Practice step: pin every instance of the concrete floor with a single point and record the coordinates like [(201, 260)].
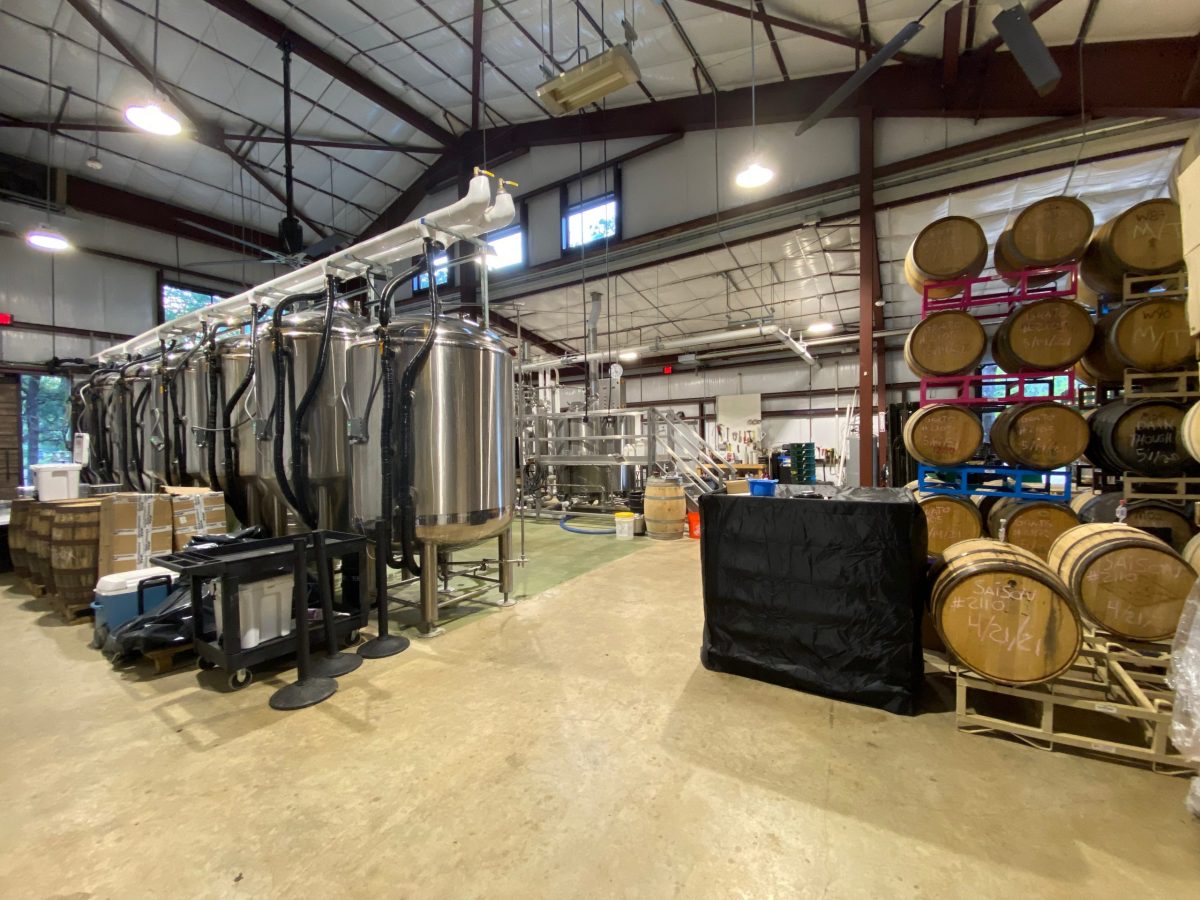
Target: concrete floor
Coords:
[(571, 746)]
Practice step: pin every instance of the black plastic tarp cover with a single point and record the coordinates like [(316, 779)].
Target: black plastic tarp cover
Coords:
[(818, 593)]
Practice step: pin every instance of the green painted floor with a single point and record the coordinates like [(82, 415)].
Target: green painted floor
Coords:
[(552, 557)]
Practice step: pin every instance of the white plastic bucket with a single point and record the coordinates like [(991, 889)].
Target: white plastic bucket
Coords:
[(624, 523), (264, 607), (56, 481)]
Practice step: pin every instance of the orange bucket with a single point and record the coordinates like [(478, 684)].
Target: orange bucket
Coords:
[(693, 520)]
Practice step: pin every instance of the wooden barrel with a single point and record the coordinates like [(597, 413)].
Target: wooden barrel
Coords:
[(1044, 336), (1127, 582), (1032, 525), (1167, 521), (1048, 232), (1144, 240), (947, 249), (665, 507), (18, 536), (1141, 437), (38, 545), (950, 342), (1088, 296), (1189, 432), (943, 435), (1191, 553), (1096, 506), (949, 520), (74, 549), (1004, 614), (1150, 336), (1039, 435)]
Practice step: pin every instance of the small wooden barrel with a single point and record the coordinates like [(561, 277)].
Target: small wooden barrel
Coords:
[(1150, 336), (665, 507), (1039, 435), (74, 551), (1044, 336), (1141, 437), (950, 342), (1144, 240), (1048, 232), (18, 536), (1032, 525), (949, 520), (946, 249), (1189, 432), (943, 435), (1004, 614), (1127, 582)]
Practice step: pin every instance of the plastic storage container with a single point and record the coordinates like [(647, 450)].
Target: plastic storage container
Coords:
[(264, 607), (762, 487), (624, 522), (117, 595), (56, 481)]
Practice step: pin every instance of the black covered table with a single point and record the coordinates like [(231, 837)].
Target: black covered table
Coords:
[(823, 595)]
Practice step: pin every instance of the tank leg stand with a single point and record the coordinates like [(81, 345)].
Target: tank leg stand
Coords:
[(385, 644), (308, 689), (429, 592), (506, 566), (332, 662)]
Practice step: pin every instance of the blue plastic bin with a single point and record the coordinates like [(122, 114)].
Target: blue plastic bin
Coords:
[(762, 487)]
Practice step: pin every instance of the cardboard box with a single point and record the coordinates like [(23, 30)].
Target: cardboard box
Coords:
[(737, 486), (197, 512), (133, 528)]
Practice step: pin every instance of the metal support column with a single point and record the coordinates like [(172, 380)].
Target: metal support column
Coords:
[(429, 591), (866, 292), (506, 565)]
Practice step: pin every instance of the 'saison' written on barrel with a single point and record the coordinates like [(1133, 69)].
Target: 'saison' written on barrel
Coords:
[(1154, 596)]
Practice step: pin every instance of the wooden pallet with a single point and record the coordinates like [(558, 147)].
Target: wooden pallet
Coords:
[(1114, 702), (33, 588), (71, 613), (1139, 487), (165, 659), (1178, 385), (1163, 284)]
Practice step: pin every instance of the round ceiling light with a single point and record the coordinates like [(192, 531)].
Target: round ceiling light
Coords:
[(153, 118), (754, 176), (46, 238), (821, 327)]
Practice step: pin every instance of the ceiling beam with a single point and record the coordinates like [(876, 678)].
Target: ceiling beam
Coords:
[(1085, 25), (776, 52), (1036, 13), (969, 40), (697, 63), (268, 26), (864, 23), (497, 319), (1122, 78), (476, 62), (952, 23), (207, 132)]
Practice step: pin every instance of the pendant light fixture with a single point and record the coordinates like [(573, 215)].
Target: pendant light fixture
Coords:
[(821, 326), (154, 115), (755, 174), (44, 237)]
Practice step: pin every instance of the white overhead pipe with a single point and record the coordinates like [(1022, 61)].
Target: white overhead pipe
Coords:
[(682, 343), (472, 215)]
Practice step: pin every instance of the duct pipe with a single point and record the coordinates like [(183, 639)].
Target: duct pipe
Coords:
[(473, 214), (682, 343)]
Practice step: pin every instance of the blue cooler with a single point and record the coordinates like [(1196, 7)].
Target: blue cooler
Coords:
[(124, 595)]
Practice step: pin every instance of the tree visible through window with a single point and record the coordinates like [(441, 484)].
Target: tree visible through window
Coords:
[(45, 412), (178, 301), (592, 220)]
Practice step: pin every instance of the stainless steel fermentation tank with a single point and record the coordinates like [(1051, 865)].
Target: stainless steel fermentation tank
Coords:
[(463, 465), (593, 437), (323, 485)]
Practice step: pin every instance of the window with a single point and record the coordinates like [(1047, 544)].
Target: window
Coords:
[(592, 220), (45, 417), (509, 249), (441, 271), (178, 300), (998, 391)]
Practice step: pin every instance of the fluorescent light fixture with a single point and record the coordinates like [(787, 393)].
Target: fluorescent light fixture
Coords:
[(153, 118), (754, 176), (628, 356), (821, 327), (46, 238), (590, 81)]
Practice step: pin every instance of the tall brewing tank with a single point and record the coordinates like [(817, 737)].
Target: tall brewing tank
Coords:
[(463, 469), (590, 440), (325, 423), (245, 491), (191, 388)]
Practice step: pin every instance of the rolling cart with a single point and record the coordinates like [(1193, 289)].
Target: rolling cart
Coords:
[(226, 569)]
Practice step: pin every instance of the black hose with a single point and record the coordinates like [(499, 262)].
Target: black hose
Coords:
[(128, 411), (139, 436), (277, 408), (210, 418), (299, 444), (178, 424), (232, 456), (164, 412)]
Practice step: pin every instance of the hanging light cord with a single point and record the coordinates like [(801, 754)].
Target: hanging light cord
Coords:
[(154, 58), (753, 87)]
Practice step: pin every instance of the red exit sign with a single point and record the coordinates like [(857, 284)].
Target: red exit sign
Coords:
[(6, 319)]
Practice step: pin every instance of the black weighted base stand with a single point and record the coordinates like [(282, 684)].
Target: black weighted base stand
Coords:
[(331, 663), (308, 689), (386, 644)]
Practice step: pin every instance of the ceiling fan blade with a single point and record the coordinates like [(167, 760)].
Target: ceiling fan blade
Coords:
[(852, 84), (236, 262), (325, 245)]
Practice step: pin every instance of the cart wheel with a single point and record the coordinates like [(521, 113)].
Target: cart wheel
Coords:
[(206, 664), (239, 679), (353, 638)]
